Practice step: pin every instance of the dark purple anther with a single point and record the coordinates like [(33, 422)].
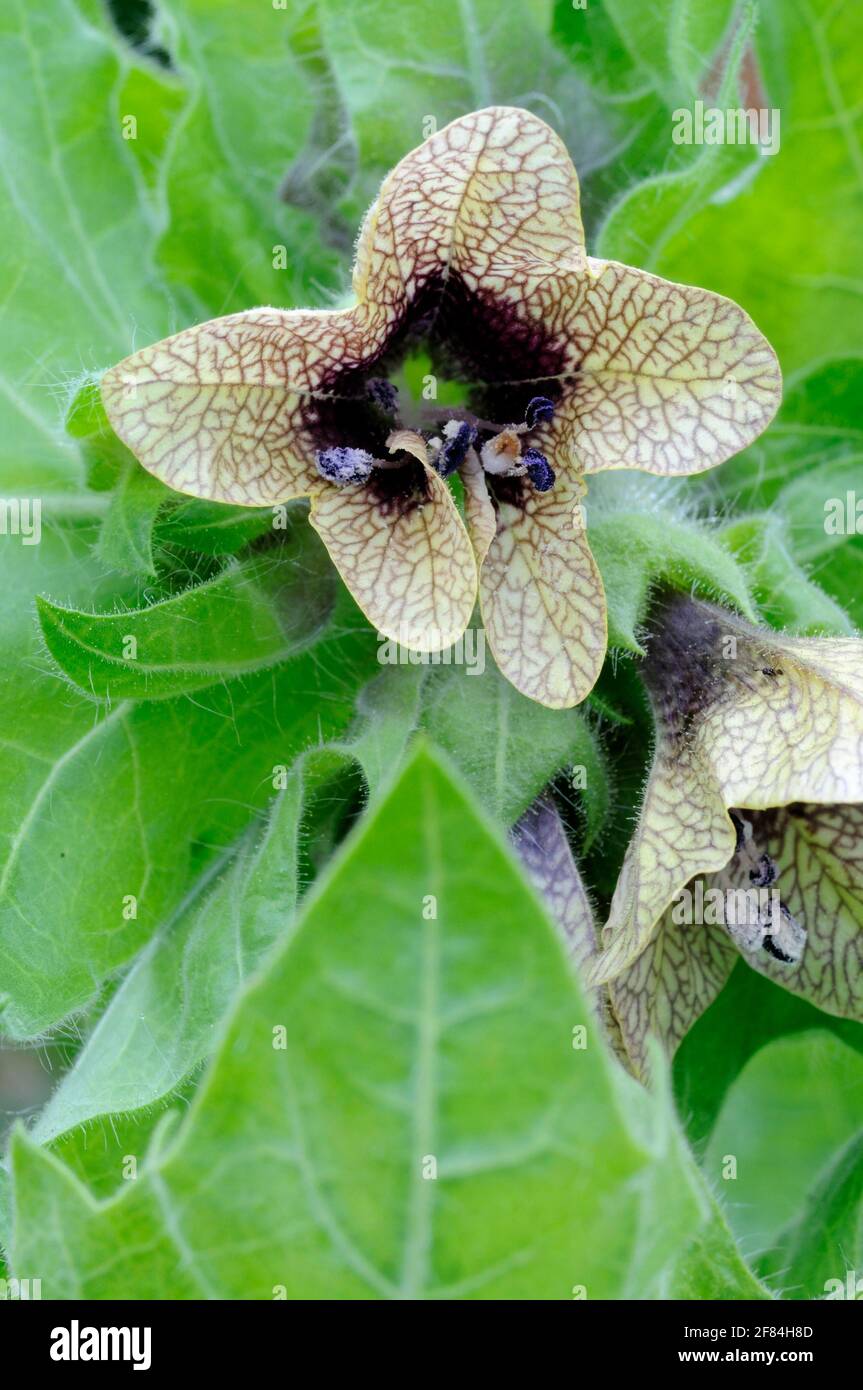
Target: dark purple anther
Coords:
[(383, 393), (539, 411), (539, 470), (453, 452), (344, 466)]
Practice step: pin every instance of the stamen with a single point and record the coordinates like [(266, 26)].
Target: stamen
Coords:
[(775, 930), (502, 455), (383, 394), (539, 470), (459, 435), (540, 410), (343, 465)]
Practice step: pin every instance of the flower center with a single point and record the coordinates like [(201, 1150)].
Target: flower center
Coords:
[(500, 448), (513, 374)]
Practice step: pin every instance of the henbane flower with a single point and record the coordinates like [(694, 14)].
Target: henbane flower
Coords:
[(750, 837), (473, 250)]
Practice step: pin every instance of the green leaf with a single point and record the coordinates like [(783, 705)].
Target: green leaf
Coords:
[(826, 1244), (786, 596), (713, 1268), (793, 1105), (254, 615), (641, 228), (399, 75), (698, 54), (5, 1217), (155, 98), (126, 537), (553, 1169), (595, 45), (636, 550), (213, 528), (507, 746), (647, 63), (749, 1013), (821, 511), (227, 220), (670, 51), (103, 807), (160, 1024), (100, 1154), (77, 226), (765, 241), (86, 415), (388, 710)]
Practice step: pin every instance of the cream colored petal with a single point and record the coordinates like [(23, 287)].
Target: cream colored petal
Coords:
[(818, 854), (746, 719), (794, 729), (232, 410), (684, 829), (407, 562), (542, 601), (671, 379), (491, 200), (669, 986), (408, 442), (478, 508)]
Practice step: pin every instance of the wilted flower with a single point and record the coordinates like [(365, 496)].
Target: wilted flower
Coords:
[(474, 250), (751, 831), (540, 841)]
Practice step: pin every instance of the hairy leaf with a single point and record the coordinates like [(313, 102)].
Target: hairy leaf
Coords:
[(253, 616), (507, 746), (76, 223), (786, 595), (637, 552), (231, 239), (752, 238), (713, 1268), (503, 1163), (823, 1249), (214, 528), (107, 812), (791, 1109), (160, 1024)]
